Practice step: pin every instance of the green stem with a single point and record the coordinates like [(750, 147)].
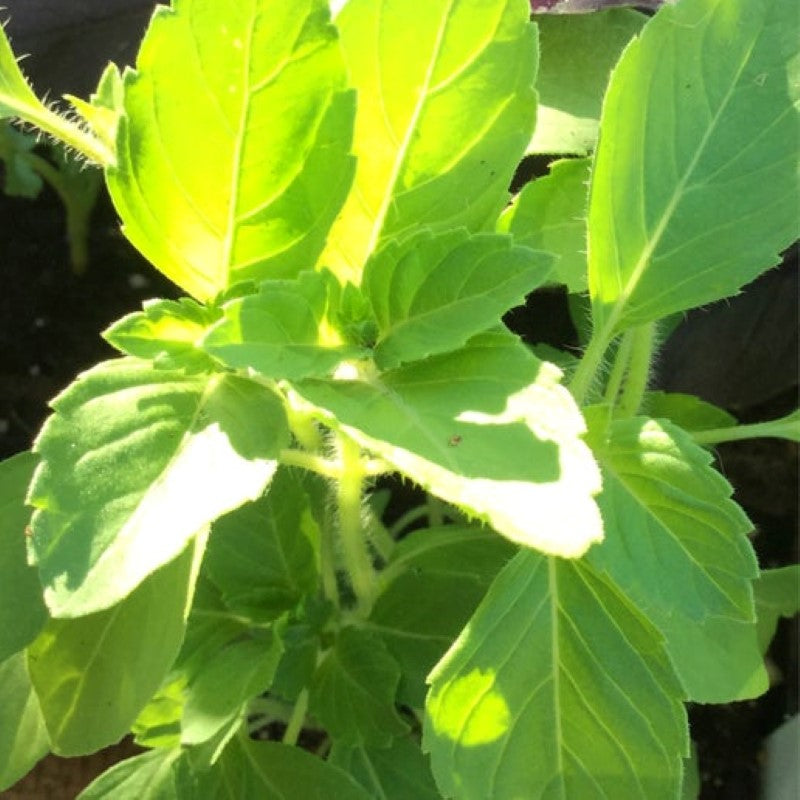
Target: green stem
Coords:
[(737, 433), (313, 463), (621, 362), (354, 544), (590, 364), (298, 716), (305, 429), (642, 345)]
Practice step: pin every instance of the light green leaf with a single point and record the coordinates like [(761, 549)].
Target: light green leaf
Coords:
[(445, 108), (488, 428), (17, 99), (263, 556), (159, 722), (22, 610), (689, 412), (105, 107), (398, 772), (690, 790), (550, 214), (677, 545), (23, 737), (353, 691), (94, 674), (431, 293), (258, 87), (166, 332), (777, 594), (135, 462), (241, 669), (271, 771), (557, 688), (694, 188), (20, 178), (430, 588), (157, 775), (577, 54), (277, 332)]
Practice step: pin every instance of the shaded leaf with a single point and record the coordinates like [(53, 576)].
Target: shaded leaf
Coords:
[(694, 188), (241, 669), (438, 136), (353, 691), (677, 545), (22, 610), (398, 772), (550, 214), (488, 428), (277, 332), (93, 675), (557, 688), (689, 412), (263, 556), (431, 293), (136, 461), (777, 594), (577, 55), (23, 737), (430, 588), (20, 178), (259, 88)]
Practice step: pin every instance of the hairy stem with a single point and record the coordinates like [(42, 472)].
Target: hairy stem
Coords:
[(756, 430), (618, 371), (354, 544), (642, 345)]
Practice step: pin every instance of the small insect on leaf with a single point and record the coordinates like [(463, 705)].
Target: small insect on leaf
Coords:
[(454, 441)]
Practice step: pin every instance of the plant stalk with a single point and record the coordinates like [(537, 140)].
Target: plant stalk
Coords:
[(641, 354)]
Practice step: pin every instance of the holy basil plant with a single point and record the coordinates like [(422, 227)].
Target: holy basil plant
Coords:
[(208, 562)]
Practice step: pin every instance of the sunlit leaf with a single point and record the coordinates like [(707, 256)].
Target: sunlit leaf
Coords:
[(447, 572), (557, 688), (550, 214), (677, 545), (23, 737), (22, 611), (353, 691), (160, 774), (577, 55), (90, 695), (136, 461), (258, 87), (694, 188), (488, 428), (277, 332), (445, 108), (431, 293), (689, 412)]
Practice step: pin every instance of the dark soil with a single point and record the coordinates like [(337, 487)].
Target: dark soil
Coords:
[(50, 321)]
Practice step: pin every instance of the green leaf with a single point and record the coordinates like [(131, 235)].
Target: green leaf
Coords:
[(22, 611), (272, 771), (135, 462), (577, 54), (431, 586), (694, 189), (23, 737), (398, 772), (166, 332), (445, 108), (550, 214), (243, 668), (105, 107), (557, 688), (677, 545), (258, 94), (777, 594), (277, 332), (157, 775), (690, 789), (353, 691), (94, 674), (431, 293), (159, 722), (689, 412), (263, 556), (488, 428), (21, 179)]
